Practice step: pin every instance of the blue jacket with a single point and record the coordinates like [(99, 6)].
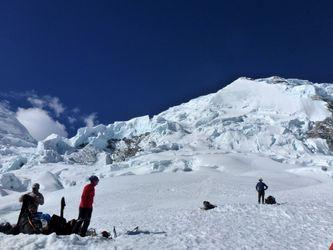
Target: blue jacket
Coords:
[(260, 187)]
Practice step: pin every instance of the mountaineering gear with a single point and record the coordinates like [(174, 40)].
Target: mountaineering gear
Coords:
[(59, 225), (42, 216), (207, 205), (7, 228), (87, 198), (261, 187), (62, 207), (106, 234), (270, 200), (29, 223)]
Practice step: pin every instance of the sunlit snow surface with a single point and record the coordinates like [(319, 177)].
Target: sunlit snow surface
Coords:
[(213, 148), (167, 206)]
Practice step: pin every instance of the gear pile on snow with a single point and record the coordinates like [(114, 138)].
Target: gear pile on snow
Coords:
[(27, 223), (270, 200), (207, 205)]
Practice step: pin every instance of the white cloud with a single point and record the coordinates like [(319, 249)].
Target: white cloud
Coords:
[(57, 106), (76, 110), (51, 102), (90, 120), (36, 102), (71, 119), (39, 123)]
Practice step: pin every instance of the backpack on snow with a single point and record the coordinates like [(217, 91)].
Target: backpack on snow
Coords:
[(270, 200), (207, 205), (60, 226)]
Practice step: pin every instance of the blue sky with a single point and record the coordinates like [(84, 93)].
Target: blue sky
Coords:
[(84, 62)]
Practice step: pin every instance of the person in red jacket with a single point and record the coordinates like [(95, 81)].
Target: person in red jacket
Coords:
[(86, 204)]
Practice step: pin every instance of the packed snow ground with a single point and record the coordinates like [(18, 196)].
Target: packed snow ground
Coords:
[(166, 207)]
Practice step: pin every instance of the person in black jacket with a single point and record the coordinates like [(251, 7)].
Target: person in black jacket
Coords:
[(38, 198), (261, 187)]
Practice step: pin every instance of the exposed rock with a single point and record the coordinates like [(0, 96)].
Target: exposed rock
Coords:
[(121, 149), (87, 155), (324, 130)]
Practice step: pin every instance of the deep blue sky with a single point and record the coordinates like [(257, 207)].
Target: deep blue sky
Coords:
[(123, 59)]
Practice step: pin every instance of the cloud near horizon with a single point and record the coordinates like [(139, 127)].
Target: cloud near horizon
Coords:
[(91, 120), (52, 114), (39, 123), (51, 102)]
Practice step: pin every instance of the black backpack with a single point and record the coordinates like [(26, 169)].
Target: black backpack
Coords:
[(270, 200), (207, 205)]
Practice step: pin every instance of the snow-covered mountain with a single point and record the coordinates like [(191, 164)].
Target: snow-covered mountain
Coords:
[(12, 132), (15, 141), (287, 120)]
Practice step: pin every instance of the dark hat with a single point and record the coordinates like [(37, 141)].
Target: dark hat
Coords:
[(35, 186), (93, 178)]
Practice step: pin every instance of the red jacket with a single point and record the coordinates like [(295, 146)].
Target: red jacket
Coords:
[(87, 197)]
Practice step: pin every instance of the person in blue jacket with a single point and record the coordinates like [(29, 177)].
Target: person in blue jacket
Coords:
[(261, 187)]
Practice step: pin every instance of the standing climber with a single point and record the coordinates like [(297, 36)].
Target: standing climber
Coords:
[(261, 187), (86, 204)]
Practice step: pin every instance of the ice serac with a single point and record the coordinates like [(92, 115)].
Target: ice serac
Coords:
[(98, 136), (53, 147), (270, 116), (288, 118)]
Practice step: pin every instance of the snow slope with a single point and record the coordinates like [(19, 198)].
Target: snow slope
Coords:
[(12, 132), (16, 144), (166, 207)]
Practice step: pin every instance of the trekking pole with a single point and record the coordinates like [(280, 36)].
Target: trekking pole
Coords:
[(62, 206)]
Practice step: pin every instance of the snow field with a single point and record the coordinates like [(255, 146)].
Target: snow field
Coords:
[(166, 206)]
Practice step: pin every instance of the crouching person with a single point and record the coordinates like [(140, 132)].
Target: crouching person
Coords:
[(86, 206)]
